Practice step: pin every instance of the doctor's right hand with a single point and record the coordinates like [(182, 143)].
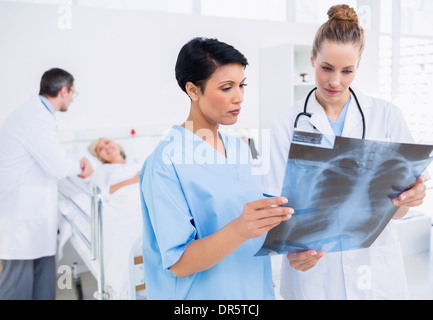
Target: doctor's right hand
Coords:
[(303, 261), (87, 168), (258, 217)]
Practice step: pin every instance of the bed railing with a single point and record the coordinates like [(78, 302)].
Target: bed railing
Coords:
[(93, 240), (97, 252), (95, 245)]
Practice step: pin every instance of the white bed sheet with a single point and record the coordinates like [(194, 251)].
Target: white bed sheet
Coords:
[(122, 226), (122, 220)]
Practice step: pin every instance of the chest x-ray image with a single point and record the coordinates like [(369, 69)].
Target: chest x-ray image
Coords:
[(342, 195)]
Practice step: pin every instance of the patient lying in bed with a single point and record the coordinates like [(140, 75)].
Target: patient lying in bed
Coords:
[(118, 180), (116, 173)]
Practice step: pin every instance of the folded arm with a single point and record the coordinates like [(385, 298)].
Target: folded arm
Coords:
[(127, 182)]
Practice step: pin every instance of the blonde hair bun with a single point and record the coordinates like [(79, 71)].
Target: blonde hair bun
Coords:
[(343, 12), (342, 27)]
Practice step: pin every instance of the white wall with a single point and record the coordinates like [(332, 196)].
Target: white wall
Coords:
[(123, 61)]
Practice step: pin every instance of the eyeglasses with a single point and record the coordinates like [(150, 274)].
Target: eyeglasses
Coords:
[(74, 94)]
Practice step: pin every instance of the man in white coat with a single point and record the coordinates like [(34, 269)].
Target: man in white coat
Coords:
[(32, 160)]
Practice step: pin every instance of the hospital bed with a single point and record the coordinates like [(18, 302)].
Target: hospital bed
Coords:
[(113, 258)]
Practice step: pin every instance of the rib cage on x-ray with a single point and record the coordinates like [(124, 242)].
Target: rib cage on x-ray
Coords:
[(342, 196)]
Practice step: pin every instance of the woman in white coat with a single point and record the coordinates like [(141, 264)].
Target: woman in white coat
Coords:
[(376, 272), (31, 161)]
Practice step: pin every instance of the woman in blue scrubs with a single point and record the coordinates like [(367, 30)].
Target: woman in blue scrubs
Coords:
[(203, 211)]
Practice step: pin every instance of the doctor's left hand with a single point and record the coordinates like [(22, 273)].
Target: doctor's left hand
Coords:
[(414, 196), (410, 198), (87, 168)]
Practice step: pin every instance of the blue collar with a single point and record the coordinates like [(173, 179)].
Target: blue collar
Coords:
[(338, 126), (47, 104)]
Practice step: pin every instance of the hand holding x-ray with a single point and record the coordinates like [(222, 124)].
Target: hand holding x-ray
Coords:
[(345, 194), (260, 216), (304, 261), (414, 196)]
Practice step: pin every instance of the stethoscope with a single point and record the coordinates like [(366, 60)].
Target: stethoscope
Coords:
[(305, 113)]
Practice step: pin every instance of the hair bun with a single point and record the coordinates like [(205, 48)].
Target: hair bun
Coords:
[(343, 12)]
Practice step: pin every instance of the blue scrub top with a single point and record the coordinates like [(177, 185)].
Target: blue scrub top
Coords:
[(338, 126), (189, 191)]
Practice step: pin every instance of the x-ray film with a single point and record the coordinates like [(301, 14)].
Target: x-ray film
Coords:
[(342, 195)]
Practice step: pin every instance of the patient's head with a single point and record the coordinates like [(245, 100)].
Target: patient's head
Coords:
[(107, 151)]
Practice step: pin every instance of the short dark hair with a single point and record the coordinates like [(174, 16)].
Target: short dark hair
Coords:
[(200, 57), (54, 80)]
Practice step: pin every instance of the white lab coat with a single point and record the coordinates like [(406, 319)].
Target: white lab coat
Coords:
[(31, 161), (376, 272)]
